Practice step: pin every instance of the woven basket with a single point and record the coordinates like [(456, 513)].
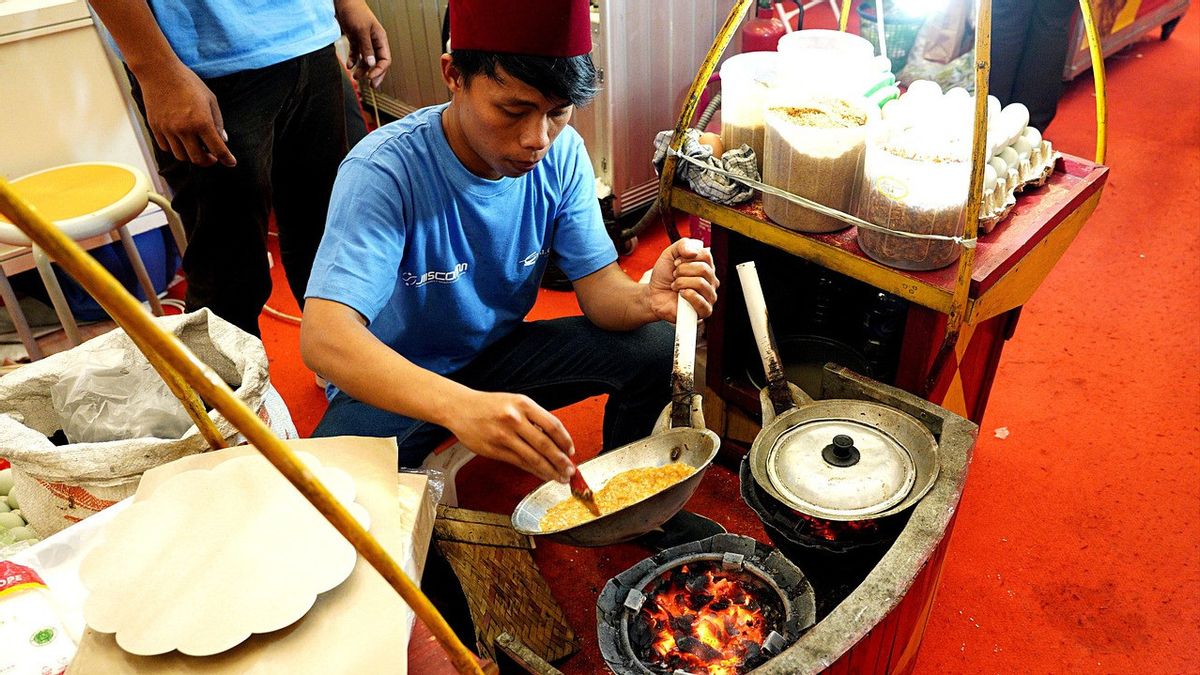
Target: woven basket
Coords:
[(900, 31)]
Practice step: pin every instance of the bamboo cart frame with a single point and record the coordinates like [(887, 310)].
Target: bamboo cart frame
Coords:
[(960, 308)]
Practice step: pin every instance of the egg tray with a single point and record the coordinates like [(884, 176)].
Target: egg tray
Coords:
[(997, 203)]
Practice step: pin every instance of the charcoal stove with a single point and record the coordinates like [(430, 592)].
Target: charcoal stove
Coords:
[(834, 555), (674, 613)]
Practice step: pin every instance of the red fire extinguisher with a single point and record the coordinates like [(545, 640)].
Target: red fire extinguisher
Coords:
[(762, 32)]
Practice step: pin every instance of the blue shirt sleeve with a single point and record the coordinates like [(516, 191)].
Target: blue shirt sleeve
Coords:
[(359, 258), (581, 244)]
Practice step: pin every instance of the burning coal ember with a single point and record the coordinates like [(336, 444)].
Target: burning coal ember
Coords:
[(701, 618), (833, 530)]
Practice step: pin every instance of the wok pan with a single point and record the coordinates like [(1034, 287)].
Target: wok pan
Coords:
[(679, 436), (834, 459)]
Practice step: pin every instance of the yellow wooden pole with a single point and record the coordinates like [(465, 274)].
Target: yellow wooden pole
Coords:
[(1093, 37), (156, 343), (966, 263), (667, 178)]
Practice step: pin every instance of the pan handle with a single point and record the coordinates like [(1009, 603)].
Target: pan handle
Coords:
[(779, 393), (683, 375)]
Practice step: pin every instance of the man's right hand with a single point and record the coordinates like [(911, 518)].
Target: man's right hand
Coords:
[(184, 117), (514, 429)]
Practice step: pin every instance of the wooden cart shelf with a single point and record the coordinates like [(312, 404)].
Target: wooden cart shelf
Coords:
[(1010, 262)]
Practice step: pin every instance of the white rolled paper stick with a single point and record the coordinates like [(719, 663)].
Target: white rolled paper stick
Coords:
[(756, 307), (685, 340)]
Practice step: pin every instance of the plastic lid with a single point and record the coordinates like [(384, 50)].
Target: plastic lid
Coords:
[(844, 45), (841, 468), (761, 66)]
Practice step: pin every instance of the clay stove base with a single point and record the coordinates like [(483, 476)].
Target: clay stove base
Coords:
[(879, 626)]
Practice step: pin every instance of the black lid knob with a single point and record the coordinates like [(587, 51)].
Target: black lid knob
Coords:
[(841, 452)]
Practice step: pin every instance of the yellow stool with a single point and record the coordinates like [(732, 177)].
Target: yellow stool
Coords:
[(83, 200)]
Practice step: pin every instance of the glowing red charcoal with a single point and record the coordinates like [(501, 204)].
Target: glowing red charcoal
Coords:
[(703, 619)]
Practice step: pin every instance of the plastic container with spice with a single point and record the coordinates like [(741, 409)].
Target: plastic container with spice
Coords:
[(814, 149), (832, 62), (746, 81), (915, 179)]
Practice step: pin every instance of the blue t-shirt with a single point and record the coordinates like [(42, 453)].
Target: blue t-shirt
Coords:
[(219, 37), (443, 263)]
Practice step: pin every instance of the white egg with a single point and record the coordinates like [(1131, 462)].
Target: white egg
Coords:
[(1032, 135), (6, 481), (999, 166), (1013, 120), (4, 506), (993, 108), (924, 89), (1010, 157), (10, 520), (1023, 149), (958, 93)]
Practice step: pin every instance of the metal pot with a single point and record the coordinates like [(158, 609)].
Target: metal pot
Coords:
[(679, 436), (833, 459)]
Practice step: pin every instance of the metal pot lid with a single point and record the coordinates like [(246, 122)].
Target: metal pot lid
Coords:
[(841, 466), (845, 460)]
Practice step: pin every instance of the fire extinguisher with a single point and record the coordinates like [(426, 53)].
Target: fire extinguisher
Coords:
[(762, 32)]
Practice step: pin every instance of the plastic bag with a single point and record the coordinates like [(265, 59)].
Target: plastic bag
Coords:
[(114, 394), (943, 51), (62, 484)]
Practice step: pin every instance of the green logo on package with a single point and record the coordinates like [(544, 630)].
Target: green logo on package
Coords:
[(43, 637)]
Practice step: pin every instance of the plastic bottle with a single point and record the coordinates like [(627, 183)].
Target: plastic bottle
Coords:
[(32, 637)]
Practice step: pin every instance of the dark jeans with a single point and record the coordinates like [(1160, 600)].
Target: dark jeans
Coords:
[(287, 130), (556, 363), (1029, 53)]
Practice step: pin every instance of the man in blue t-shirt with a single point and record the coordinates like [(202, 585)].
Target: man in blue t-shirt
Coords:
[(245, 103), (439, 230)]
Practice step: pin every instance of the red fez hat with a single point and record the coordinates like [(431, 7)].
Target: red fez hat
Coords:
[(559, 28)]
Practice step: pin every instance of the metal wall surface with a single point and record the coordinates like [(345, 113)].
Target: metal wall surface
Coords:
[(647, 54), (414, 29), (652, 52)]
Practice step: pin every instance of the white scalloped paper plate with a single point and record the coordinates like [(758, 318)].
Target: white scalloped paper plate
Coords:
[(215, 555)]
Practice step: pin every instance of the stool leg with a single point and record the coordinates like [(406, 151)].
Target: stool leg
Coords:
[(61, 308), (139, 269), (173, 221), (18, 318)]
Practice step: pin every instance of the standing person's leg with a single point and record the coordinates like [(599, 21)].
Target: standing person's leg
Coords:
[(356, 125), (224, 209), (1010, 25), (310, 143), (1039, 79)]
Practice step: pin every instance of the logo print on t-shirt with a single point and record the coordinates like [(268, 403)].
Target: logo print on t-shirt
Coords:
[(531, 259), (450, 277)]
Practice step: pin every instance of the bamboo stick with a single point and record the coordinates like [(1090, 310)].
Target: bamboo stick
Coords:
[(156, 343)]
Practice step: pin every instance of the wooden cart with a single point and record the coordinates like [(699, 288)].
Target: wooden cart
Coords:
[(959, 315)]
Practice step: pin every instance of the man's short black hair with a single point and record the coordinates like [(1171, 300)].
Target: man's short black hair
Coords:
[(570, 79)]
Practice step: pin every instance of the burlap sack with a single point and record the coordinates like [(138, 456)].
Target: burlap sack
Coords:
[(60, 485)]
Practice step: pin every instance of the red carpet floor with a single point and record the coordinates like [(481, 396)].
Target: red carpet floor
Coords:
[(1077, 548)]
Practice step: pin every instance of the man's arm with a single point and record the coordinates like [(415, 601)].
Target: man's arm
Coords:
[(335, 342), (613, 301), (181, 111), (369, 52)]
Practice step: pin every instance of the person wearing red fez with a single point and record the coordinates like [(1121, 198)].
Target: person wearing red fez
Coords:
[(439, 230)]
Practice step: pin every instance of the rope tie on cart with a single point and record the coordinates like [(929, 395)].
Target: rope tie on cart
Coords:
[(821, 208)]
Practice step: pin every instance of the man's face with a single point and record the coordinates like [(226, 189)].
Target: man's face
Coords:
[(508, 126)]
